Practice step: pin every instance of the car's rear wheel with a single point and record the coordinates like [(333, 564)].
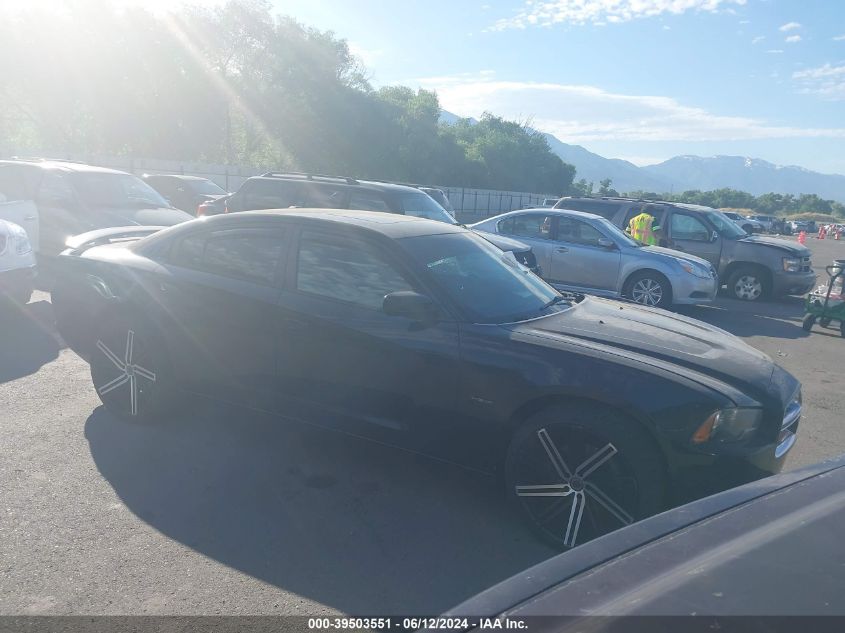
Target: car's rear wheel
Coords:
[(649, 288), (747, 284), (130, 370), (578, 472), (824, 321)]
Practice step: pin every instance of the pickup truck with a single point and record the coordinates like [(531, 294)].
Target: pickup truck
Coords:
[(751, 266)]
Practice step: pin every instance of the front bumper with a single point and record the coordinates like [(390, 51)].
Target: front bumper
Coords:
[(793, 283), (690, 290)]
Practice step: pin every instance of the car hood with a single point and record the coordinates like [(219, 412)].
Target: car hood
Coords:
[(790, 247), (103, 217), (505, 243), (665, 336), (659, 250)]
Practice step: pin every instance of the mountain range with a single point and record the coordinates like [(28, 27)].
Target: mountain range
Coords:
[(682, 173)]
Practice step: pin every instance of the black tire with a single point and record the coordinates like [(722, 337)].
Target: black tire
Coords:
[(629, 483), (808, 322), (824, 321), (145, 391), (748, 284), (650, 288)]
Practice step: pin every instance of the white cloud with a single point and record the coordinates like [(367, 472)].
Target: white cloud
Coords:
[(839, 38), (550, 12), (793, 39), (827, 81), (583, 114), (790, 26), (774, 51), (745, 21), (758, 39)]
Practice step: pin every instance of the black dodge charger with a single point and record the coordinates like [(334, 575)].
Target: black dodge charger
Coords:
[(425, 336)]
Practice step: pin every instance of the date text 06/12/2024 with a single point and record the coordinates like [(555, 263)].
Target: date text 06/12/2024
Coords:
[(416, 623)]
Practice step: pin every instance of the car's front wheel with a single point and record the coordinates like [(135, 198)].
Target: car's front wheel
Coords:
[(649, 288), (578, 472), (130, 370)]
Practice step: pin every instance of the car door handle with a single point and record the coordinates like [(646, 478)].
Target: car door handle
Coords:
[(30, 217), (562, 249), (163, 287)]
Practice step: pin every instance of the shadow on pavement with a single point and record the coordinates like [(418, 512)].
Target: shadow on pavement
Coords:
[(353, 525), (779, 318), (28, 339)]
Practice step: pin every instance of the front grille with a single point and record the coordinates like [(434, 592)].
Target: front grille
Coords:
[(788, 427), (792, 413), (806, 265)]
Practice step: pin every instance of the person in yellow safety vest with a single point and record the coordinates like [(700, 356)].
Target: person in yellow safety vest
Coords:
[(642, 228)]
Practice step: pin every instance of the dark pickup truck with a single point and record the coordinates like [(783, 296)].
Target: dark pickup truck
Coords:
[(751, 266)]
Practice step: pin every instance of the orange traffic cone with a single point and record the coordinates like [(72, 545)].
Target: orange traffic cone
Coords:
[(821, 232), (802, 237)]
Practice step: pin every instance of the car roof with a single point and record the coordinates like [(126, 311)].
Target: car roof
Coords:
[(177, 176), (704, 556), (392, 225), (339, 181), (62, 165), (566, 212)]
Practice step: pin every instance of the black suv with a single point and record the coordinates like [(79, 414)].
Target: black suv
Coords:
[(276, 190), (752, 266)]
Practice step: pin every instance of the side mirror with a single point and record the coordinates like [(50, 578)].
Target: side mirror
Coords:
[(410, 304), (714, 236), (606, 242)]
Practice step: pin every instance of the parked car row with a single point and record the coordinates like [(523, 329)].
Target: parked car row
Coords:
[(750, 266), (365, 306)]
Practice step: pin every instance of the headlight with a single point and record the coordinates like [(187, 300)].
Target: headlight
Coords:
[(694, 269), (792, 264), (20, 240), (728, 425)]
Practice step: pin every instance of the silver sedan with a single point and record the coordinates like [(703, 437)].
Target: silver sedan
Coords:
[(583, 252)]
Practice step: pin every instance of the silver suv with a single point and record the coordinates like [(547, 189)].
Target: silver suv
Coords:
[(583, 252)]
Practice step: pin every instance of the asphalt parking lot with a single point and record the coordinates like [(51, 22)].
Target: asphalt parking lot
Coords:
[(227, 512)]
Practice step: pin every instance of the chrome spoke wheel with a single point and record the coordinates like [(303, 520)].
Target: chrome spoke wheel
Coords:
[(122, 382), (573, 506), (647, 291)]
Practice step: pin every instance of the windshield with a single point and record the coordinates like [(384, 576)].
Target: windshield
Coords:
[(116, 190), (617, 234), (488, 285), (208, 188), (421, 205), (726, 227)]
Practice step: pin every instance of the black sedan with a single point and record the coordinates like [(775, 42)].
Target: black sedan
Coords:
[(769, 548), (423, 335)]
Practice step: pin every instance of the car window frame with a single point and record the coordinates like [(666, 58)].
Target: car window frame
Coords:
[(703, 221), (283, 232), (345, 238), (552, 230), (581, 244)]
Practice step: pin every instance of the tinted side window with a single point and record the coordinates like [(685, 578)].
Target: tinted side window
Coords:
[(687, 227), (247, 256), (532, 225), (349, 271), (322, 196), (368, 201), (505, 226), (272, 194), (577, 232), (54, 189), (606, 210)]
